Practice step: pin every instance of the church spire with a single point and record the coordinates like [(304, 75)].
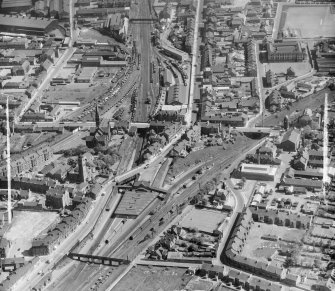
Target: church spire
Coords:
[(97, 117)]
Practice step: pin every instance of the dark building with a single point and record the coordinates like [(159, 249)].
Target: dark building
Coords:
[(26, 25), (289, 51), (291, 141)]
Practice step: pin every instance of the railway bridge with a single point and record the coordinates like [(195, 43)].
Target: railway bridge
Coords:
[(143, 20), (107, 261)]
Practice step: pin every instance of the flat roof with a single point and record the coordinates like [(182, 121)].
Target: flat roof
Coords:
[(133, 203), (29, 22), (254, 168)]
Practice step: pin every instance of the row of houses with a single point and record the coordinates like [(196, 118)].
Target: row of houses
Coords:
[(238, 278), (30, 161), (160, 134), (42, 246), (237, 239), (16, 275)]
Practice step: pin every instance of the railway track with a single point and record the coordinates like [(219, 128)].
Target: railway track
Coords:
[(153, 222)]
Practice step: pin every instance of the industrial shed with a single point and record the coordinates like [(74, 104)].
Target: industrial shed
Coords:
[(258, 172)]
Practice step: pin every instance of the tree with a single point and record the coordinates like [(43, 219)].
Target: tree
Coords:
[(243, 180), (289, 262)]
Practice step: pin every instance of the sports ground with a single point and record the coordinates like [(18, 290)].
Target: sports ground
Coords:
[(308, 21)]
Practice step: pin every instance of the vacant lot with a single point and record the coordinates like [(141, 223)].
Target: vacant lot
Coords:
[(90, 33), (203, 219), (25, 226), (80, 92), (143, 278), (257, 248), (309, 22)]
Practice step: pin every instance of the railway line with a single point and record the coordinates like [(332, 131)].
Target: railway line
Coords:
[(145, 52), (120, 244)]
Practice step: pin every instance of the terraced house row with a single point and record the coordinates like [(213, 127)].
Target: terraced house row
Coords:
[(28, 162), (232, 252), (44, 245)]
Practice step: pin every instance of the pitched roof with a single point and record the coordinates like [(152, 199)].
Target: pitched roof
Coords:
[(292, 136)]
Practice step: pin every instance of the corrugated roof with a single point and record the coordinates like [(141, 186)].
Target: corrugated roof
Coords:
[(29, 22)]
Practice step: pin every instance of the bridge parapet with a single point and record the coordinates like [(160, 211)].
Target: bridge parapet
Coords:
[(107, 261)]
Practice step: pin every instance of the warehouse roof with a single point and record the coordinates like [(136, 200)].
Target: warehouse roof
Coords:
[(15, 3), (133, 203), (29, 22), (258, 169), (302, 183)]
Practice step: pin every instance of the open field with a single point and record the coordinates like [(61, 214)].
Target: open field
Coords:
[(203, 219), (25, 226), (143, 278), (313, 101), (199, 284), (308, 21), (257, 248)]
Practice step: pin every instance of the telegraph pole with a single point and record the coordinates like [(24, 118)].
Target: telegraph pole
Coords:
[(9, 207)]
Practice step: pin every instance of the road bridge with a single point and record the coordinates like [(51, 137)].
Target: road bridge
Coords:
[(254, 129), (146, 20), (140, 124), (107, 261)]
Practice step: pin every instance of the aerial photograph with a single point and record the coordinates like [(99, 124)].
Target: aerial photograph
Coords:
[(167, 145)]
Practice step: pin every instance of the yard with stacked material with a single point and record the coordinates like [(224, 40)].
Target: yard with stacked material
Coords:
[(142, 278)]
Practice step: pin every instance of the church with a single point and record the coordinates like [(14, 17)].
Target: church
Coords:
[(101, 134)]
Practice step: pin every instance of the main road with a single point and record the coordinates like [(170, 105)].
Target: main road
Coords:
[(47, 263), (188, 116), (52, 73), (143, 33)]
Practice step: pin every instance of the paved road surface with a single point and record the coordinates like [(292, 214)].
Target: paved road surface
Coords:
[(143, 31), (52, 73), (32, 278), (188, 116)]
